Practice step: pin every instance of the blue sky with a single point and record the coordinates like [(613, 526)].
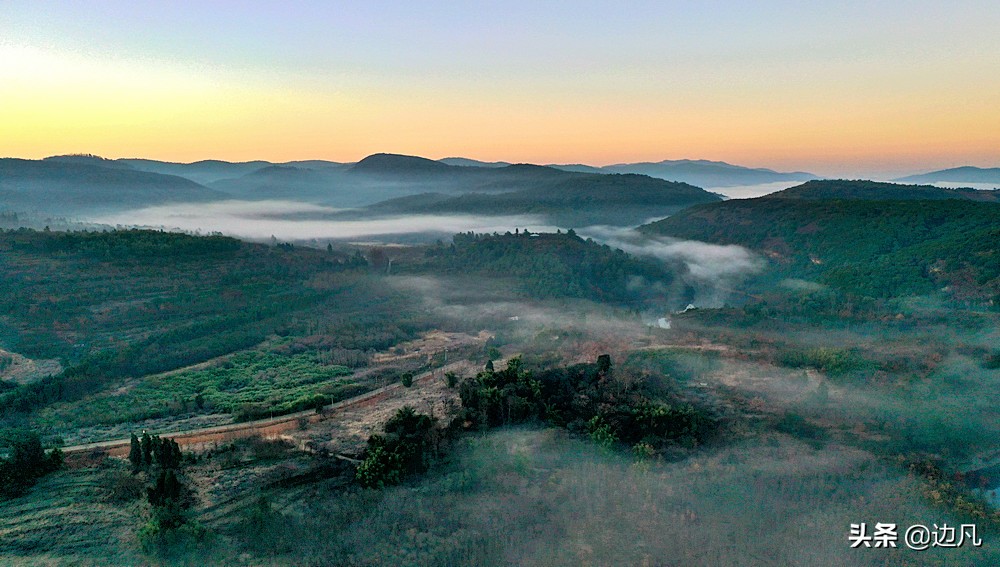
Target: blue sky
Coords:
[(841, 87)]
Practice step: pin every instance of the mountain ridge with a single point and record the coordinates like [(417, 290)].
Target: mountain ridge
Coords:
[(67, 187), (962, 174)]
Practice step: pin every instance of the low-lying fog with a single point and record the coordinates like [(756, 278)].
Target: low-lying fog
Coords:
[(710, 268), (751, 191), (293, 221)]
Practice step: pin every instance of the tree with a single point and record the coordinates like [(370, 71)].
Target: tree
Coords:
[(493, 353), (166, 489), (27, 454), (406, 379), (55, 459), (146, 445), (404, 449), (604, 363), (135, 453), (27, 462)]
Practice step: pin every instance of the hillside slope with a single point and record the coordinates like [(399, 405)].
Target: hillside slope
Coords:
[(568, 199), (876, 191), (964, 174), (876, 248), (61, 187)]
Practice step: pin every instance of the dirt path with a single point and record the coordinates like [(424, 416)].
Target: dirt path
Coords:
[(206, 438)]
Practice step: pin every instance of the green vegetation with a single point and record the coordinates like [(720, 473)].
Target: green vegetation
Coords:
[(115, 306), (584, 398), (248, 385), (810, 406), (833, 189), (170, 524), (151, 452), (568, 199), (896, 248), (23, 461), (405, 449), (560, 265)]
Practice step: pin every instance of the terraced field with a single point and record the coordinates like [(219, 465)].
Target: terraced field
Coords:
[(67, 519)]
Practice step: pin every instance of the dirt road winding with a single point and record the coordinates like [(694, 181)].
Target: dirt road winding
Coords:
[(205, 438)]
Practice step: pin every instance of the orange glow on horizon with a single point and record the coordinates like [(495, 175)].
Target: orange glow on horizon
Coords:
[(59, 104)]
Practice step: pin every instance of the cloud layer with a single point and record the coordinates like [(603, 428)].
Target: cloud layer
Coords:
[(257, 220)]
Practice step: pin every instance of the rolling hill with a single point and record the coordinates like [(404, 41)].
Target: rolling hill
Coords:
[(964, 174), (878, 248), (877, 191), (566, 199), (69, 187), (282, 182), (204, 172), (701, 173)]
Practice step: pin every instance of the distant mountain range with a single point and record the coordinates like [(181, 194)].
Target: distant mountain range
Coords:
[(210, 171), (72, 187), (466, 162), (385, 183), (701, 173), (965, 174)]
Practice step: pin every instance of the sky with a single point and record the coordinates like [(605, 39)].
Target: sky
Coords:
[(874, 88)]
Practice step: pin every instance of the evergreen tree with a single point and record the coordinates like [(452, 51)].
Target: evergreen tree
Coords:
[(135, 453), (604, 363), (146, 445)]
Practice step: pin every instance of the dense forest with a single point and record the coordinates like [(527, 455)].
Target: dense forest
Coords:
[(900, 247), (876, 191), (569, 199), (112, 305), (559, 265)]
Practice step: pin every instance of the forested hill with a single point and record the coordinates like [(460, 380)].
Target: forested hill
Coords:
[(569, 199), (70, 187), (877, 248), (876, 191), (560, 265), (119, 304)]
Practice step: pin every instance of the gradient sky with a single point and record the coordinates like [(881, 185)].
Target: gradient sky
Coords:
[(849, 88)]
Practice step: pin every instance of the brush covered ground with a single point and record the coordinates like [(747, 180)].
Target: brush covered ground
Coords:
[(829, 407)]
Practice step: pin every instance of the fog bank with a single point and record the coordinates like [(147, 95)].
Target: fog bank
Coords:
[(291, 220)]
